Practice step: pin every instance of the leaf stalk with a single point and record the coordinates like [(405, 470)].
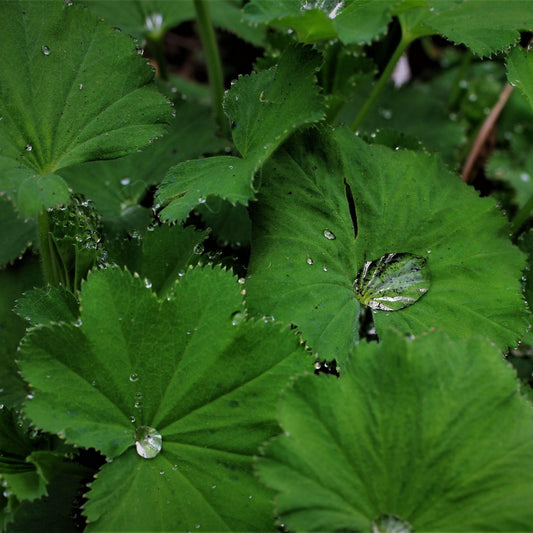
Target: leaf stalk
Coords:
[(380, 84), (214, 66)]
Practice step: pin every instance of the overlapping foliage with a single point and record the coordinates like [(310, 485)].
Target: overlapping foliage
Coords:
[(167, 303)]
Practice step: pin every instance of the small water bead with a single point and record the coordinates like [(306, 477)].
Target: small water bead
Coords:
[(237, 318), (137, 405), (525, 177), (28, 148), (309, 261), (388, 523), (147, 283), (148, 442), (132, 419), (330, 236), (133, 377), (45, 50), (199, 249), (268, 318), (125, 181)]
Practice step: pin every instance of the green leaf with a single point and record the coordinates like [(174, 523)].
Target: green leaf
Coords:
[(17, 234), (63, 101), (162, 256), (375, 201), (177, 365), (117, 187), (15, 279), (486, 27), (47, 306), (520, 72), (353, 21), (439, 440), (264, 110)]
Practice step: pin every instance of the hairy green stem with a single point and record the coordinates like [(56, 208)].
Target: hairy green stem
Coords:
[(214, 67), (380, 84), (47, 259), (156, 47), (521, 216)]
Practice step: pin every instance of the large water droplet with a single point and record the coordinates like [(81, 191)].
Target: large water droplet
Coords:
[(388, 523), (330, 236), (392, 282), (237, 318), (45, 50), (148, 442)]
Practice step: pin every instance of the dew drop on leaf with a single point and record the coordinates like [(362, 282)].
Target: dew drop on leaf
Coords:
[(330, 236), (28, 148), (237, 318), (392, 282), (134, 377), (45, 50), (310, 261), (148, 442), (199, 249), (388, 523)]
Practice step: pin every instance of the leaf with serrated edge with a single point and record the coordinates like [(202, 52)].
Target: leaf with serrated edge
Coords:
[(439, 442), (405, 202), (353, 21), (264, 109), (181, 367), (520, 72), (64, 102)]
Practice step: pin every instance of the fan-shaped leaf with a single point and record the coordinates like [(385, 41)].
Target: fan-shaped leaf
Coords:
[(430, 433), (178, 366), (63, 101), (332, 203)]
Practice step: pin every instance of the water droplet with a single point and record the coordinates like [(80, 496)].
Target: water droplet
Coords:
[(201, 200), (134, 377), (392, 282), (268, 318), (213, 486), (147, 283), (137, 405), (175, 467), (148, 442), (388, 523), (125, 181), (28, 148), (241, 281), (237, 318), (138, 395), (81, 86), (30, 396), (525, 177), (161, 472), (132, 419), (198, 249), (309, 261), (330, 236), (78, 323), (325, 268), (45, 50)]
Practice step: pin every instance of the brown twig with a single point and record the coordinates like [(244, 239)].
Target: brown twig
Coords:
[(468, 174)]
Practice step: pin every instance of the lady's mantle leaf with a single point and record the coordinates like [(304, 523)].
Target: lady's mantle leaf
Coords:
[(353, 21), (332, 203), (439, 441), (264, 109), (520, 72), (64, 101), (179, 366)]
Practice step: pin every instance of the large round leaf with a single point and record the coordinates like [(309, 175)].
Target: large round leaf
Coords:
[(332, 204), (189, 367), (71, 90), (429, 433)]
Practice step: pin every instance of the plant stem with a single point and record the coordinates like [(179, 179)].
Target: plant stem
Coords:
[(467, 174), (380, 84), (214, 67), (47, 260), (157, 48), (453, 97)]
